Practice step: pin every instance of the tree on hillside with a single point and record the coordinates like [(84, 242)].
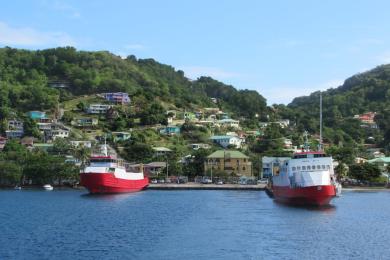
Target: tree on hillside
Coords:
[(364, 172)]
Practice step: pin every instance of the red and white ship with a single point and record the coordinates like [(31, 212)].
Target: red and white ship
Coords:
[(107, 174), (306, 179)]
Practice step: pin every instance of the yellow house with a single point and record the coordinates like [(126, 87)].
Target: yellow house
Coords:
[(231, 162)]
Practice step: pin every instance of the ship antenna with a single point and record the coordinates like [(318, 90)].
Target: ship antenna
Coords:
[(306, 145), (105, 146), (320, 144)]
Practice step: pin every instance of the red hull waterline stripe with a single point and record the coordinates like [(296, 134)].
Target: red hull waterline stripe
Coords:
[(314, 195), (107, 183)]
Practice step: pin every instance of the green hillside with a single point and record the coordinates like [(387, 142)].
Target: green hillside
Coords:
[(361, 93), (25, 77)]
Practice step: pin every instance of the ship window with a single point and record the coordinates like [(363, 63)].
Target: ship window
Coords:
[(313, 167), (294, 169), (318, 167), (328, 167), (323, 167), (308, 167), (299, 168), (303, 167)]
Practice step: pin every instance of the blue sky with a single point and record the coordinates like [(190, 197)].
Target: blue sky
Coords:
[(282, 49)]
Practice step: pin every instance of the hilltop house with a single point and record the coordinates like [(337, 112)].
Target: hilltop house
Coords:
[(15, 129), (226, 140), (117, 97), (229, 123), (161, 151), (199, 146), (56, 131), (120, 136), (85, 122), (98, 108), (86, 144), (231, 162), (367, 119), (170, 130)]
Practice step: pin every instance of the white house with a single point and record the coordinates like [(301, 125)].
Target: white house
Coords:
[(98, 108), (229, 123), (226, 140)]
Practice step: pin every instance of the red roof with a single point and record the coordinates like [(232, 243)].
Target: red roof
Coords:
[(101, 157)]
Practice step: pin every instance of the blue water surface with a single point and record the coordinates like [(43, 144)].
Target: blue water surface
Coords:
[(190, 225)]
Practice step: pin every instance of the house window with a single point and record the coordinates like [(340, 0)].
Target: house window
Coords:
[(323, 167), (294, 169), (308, 167), (303, 168), (299, 168), (243, 168), (318, 167)]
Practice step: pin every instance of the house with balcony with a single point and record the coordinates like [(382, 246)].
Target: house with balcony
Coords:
[(230, 162), (56, 130), (229, 123), (226, 140), (15, 129), (117, 97)]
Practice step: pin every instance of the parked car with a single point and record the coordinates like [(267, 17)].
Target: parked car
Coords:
[(154, 181), (220, 182), (262, 181), (206, 181)]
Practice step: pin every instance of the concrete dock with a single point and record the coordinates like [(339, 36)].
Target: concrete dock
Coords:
[(200, 186)]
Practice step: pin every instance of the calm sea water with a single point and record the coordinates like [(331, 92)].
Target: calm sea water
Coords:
[(190, 225)]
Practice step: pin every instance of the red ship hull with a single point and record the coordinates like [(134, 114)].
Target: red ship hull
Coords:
[(310, 196), (107, 183)]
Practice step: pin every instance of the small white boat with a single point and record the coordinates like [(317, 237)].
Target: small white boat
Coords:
[(17, 187), (48, 187)]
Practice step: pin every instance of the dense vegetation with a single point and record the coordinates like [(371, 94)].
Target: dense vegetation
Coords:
[(365, 92), (26, 75), (27, 79)]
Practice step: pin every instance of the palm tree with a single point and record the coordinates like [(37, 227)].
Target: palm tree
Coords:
[(82, 153)]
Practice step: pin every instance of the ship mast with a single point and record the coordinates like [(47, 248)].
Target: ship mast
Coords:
[(105, 146), (320, 144)]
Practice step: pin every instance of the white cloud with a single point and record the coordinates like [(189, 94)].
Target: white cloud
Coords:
[(134, 46), (194, 72), (25, 36)]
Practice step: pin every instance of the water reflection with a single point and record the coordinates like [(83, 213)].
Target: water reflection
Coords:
[(326, 208), (110, 197)]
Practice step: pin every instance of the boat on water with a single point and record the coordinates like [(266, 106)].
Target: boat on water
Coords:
[(107, 174), (307, 178), (48, 187)]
